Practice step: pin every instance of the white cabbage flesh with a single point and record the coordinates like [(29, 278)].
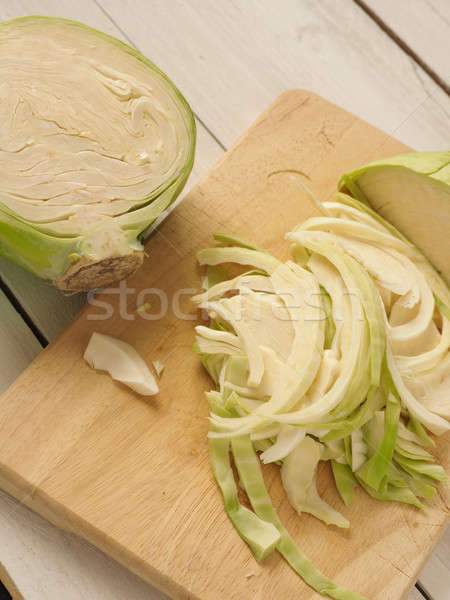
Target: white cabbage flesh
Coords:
[(352, 335), (95, 144), (122, 362), (423, 358), (298, 474), (432, 387), (351, 344), (95, 139), (288, 438)]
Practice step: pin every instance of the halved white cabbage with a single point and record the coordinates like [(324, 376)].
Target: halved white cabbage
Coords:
[(96, 142)]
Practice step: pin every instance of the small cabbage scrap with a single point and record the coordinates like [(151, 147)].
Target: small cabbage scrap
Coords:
[(159, 367), (122, 362)]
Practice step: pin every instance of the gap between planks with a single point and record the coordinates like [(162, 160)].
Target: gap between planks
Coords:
[(35, 299), (218, 141), (206, 130), (130, 41), (17, 306), (401, 43)]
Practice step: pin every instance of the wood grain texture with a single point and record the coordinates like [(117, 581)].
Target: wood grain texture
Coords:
[(232, 58), (132, 475), (44, 304), (65, 562), (424, 25), (308, 44), (50, 309)]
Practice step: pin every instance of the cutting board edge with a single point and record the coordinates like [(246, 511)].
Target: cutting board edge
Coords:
[(52, 510), (66, 520)]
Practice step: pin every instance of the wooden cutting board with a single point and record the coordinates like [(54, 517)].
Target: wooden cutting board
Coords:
[(132, 475)]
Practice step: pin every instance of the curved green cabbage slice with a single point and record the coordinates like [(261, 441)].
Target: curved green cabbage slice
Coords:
[(249, 469), (262, 536), (411, 191)]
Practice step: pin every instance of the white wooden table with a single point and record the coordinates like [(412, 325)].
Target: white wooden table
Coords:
[(386, 61)]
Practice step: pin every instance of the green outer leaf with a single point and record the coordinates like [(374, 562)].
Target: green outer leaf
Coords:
[(214, 274), (44, 255), (260, 535), (249, 469), (409, 449), (348, 449), (344, 427), (330, 327), (375, 470), (421, 467), (392, 494), (241, 256), (49, 259), (432, 164), (419, 430), (211, 362), (418, 486), (394, 478), (216, 402), (345, 481)]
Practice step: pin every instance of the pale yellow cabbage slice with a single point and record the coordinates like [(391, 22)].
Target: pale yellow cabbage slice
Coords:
[(122, 362)]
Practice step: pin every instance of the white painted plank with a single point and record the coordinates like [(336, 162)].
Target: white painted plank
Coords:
[(234, 114), (424, 25), (233, 58), (50, 309), (18, 345), (46, 563), (42, 561), (414, 594), (435, 577)]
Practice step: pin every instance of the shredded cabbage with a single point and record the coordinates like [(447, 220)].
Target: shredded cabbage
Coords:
[(341, 354)]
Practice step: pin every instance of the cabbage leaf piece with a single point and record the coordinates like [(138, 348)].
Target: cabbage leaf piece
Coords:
[(122, 362), (411, 191), (298, 474)]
